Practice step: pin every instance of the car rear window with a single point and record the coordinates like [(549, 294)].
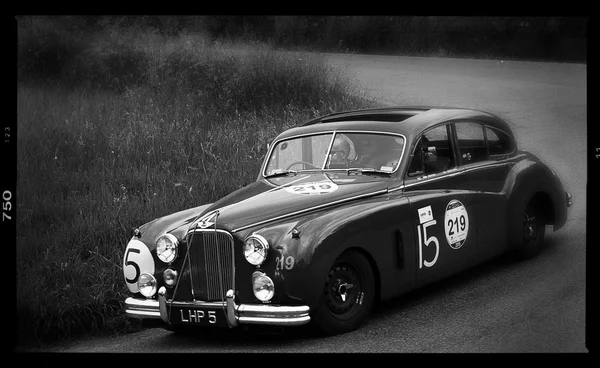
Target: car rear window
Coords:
[(499, 143)]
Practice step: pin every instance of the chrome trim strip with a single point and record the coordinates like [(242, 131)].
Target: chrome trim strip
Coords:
[(274, 309), (294, 321), (396, 189), (448, 174), (453, 172), (162, 304), (143, 314), (328, 150), (309, 209), (198, 303), (484, 166), (142, 308), (232, 317)]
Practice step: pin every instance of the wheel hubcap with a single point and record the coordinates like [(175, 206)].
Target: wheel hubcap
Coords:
[(343, 290)]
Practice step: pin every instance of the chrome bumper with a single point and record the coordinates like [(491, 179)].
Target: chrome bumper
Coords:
[(259, 314), (141, 308), (569, 199)]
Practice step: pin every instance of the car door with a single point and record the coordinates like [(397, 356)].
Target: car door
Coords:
[(441, 206), (482, 155)]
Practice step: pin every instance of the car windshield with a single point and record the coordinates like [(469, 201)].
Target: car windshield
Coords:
[(340, 150)]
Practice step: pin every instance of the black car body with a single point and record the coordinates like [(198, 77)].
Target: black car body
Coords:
[(413, 195)]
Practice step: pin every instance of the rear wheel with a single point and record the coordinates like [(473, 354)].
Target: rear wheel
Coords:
[(347, 296), (534, 229)]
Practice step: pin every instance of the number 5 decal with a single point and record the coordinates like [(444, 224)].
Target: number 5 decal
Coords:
[(136, 260), (423, 262), (132, 264)]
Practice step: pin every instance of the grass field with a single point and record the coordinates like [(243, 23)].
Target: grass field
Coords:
[(130, 127)]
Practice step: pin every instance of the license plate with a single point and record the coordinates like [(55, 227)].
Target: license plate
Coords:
[(198, 316)]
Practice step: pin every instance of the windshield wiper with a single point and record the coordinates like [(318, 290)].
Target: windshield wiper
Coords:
[(368, 171), (283, 173)]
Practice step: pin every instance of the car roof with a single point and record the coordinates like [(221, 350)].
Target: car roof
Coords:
[(407, 120)]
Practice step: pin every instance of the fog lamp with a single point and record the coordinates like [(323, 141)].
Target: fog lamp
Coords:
[(262, 286), (147, 285)]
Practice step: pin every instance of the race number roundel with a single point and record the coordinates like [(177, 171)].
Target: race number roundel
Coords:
[(456, 224), (321, 187), (137, 260)]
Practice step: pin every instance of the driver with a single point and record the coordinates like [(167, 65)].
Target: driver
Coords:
[(338, 156)]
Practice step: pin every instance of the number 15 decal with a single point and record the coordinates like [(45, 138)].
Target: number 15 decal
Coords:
[(427, 240)]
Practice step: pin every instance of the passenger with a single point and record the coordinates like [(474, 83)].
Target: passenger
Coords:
[(381, 154)]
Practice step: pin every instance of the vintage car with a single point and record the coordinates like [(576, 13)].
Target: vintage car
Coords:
[(348, 209)]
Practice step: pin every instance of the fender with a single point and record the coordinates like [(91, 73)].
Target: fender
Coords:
[(370, 228), (527, 178)]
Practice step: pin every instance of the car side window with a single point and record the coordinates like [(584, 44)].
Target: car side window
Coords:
[(471, 142), (433, 153), (499, 143)]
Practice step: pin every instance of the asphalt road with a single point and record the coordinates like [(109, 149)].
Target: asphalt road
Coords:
[(504, 306)]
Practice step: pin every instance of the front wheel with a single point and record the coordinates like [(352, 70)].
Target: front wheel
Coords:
[(347, 295)]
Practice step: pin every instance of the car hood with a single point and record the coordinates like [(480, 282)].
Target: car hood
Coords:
[(268, 200)]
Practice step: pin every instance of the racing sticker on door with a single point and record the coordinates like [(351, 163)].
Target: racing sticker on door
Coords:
[(456, 224), (426, 220), (321, 187)]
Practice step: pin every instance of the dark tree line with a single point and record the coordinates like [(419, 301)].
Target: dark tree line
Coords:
[(546, 38)]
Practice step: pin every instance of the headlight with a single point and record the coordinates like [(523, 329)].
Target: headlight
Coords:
[(255, 249), (170, 277), (147, 285), (262, 286), (166, 248)]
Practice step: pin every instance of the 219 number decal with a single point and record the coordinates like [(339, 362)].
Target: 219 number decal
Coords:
[(321, 187), (456, 224), (452, 225), (284, 262)]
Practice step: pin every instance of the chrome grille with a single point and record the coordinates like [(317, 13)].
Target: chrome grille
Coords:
[(211, 264)]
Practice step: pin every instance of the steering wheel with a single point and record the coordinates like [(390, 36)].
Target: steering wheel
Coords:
[(301, 162)]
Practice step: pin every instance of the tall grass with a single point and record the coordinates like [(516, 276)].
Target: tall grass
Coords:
[(128, 127)]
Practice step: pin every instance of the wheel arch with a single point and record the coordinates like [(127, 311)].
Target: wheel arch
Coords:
[(540, 198)]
